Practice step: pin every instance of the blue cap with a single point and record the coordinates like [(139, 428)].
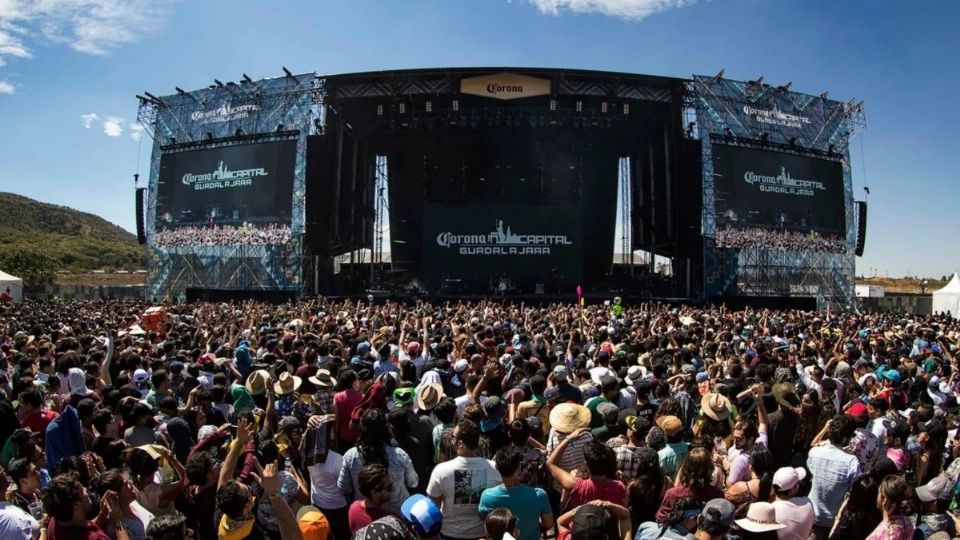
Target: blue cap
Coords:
[(892, 375), (423, 514), (363, 348)]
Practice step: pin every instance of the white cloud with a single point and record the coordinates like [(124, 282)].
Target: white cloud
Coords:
[(136, 131), (87, 26), (113, 126), (88, 119), (6, 88), (631, 10)]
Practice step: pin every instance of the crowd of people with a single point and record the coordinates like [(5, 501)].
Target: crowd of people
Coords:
[(786, 240), (345, 419), (248, 234)]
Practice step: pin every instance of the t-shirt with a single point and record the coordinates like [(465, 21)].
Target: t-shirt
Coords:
[(588, 489), (459, 483), (57, 531), (527, 504), (360, 516), (797, 515), (345, 402), (324, 493), (671, 456)]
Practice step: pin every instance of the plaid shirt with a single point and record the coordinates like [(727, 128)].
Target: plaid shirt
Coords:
[(324, 399), (627, 462)]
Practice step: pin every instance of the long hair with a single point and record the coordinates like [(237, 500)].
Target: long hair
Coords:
[(646, 489), (895, 495), (697, 471), (761, 463), (373, 438)]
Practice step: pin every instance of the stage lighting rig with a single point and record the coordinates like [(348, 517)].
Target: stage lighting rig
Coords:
[(286, 71), (783, 88), (719, 75)]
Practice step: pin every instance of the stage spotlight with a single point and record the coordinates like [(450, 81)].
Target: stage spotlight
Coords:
[(380, 110), (219, 84), (173, 140), (247, 79), (764, 138), (239, 132), (626, 108), (456, 105), (831, 149), (793, 141), (279, 128), (824, 95), (579, 106), (180, 91), (603, 107), (403, 108), (429, 106), (286, 71), (728, 132), (209, 136), (719, 76), (553, 104), (784, 87)]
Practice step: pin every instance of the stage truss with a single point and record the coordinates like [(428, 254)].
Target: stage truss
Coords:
[(769, 117), (225, 115)]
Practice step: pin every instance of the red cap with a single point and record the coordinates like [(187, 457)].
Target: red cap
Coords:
[(413, 348), (858, 411)]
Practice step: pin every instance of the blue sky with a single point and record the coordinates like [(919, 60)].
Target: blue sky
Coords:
[(63, 59)]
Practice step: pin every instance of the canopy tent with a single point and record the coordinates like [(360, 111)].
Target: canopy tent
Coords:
[(12, 286), (947, 299)]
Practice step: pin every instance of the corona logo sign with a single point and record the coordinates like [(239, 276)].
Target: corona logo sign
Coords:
[(505, 86)]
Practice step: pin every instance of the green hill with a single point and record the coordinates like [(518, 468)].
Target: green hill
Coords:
[(66, 238)]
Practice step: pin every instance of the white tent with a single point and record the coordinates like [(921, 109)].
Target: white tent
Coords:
[(948, 298), (13, 284)]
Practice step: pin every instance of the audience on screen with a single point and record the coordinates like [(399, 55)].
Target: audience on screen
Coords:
[(756, 237), (224, 235)]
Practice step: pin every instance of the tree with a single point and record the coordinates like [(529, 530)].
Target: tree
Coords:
[(32, 267)]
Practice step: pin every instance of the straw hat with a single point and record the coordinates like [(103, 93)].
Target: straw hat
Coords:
[(323, 379), (257, 382), (428, 396), (761, 517), (715, 406), (568, 417), (287, 384)]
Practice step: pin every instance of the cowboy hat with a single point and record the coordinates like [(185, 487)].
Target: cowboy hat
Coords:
[(761, 517), (715, 406), (428, 396), (257, 382), (286, 384), (322, 379), (568, 417)]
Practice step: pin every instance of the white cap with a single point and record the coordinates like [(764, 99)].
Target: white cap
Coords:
[(787, 477), (141, 376)]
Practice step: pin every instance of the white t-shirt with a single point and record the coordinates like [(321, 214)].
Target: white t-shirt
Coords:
[(464, 399), (459, 484), (797, 515), (324, 492)]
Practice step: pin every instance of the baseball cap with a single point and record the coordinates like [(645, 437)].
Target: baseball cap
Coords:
[(609, 412), (141, 376), (892, 375), (719, 511), (589, 523), (313, 524), (787, 477), (858, 411), (671, 425), (939, 488), (423, 514)]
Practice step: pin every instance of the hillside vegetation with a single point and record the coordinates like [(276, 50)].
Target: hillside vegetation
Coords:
[(62, 237)]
